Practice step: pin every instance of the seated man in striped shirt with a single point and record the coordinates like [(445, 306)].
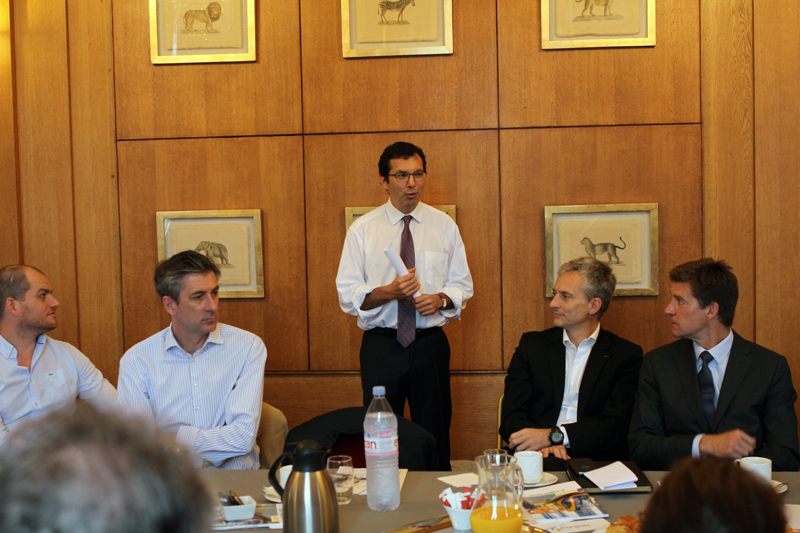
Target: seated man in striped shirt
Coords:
[(197, 380)]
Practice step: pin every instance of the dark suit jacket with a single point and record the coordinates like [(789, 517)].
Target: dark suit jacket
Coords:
[(757, 396), (534, 392)]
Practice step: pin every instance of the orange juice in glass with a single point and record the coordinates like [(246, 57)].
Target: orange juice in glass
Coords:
[(496, 520)]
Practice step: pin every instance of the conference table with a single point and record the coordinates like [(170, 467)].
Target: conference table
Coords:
[(419, 498)]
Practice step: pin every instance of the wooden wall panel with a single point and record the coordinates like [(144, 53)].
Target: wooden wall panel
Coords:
[(301, 397), (648, 85), (569, 166), (207, 100), (96, 196), (727, 116), (777, 186), (45, 160), (400, 93), (199, 174), (342, 171), (9, 224)]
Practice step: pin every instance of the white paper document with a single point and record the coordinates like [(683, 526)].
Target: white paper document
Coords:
[(595, 524), (461, 480), (613, 477)]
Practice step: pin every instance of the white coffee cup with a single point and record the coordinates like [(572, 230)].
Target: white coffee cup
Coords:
[(531, 464), (760, 466), (284, 475)]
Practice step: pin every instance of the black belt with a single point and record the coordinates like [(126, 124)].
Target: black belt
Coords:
[(391, 332)]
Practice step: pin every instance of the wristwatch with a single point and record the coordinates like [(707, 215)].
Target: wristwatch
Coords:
[(556, 436), (444, 302)]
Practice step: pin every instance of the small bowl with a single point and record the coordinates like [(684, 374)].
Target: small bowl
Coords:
[(459, 518), (240, 512)]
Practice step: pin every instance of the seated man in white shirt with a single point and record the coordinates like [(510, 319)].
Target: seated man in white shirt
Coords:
[(39, 374), (197, 380), (569, 390)]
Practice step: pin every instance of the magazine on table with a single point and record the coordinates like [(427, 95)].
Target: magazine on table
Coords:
[(560, 502)]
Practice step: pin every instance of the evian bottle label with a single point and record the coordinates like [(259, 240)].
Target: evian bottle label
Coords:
[(382, 443)]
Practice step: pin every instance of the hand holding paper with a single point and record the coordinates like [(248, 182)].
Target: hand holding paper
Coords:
[(397, 263)]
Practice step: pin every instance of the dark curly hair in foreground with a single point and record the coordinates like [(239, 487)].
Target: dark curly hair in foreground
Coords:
[(713, 496)]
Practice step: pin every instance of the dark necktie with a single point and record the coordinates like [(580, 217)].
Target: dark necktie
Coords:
[(706, 382), (406, 312)]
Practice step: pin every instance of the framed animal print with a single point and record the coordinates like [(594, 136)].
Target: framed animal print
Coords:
[(598, 23), (202, 31), (373, 28), (624, 236), (230, 238)]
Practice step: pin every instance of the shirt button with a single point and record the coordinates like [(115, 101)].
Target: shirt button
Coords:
[(198, 407), (35, 404), (195, 384)]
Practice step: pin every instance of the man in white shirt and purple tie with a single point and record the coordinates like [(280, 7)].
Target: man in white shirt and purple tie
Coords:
[(198, 380), (404, 347)]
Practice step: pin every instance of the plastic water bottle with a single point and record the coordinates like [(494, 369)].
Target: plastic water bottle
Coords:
[(380, 449)]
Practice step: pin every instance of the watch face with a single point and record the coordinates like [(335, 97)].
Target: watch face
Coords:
[(556, 437)]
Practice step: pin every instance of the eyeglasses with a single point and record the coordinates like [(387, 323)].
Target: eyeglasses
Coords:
[(402, 177)]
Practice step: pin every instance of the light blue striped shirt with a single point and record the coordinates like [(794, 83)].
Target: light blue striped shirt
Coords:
[(211, 399), (59, 375)]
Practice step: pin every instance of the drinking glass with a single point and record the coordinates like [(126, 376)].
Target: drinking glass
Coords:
[(340, 468)]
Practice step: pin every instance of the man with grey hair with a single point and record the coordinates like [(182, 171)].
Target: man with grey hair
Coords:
[(39, 374), (90, 473), (569, 390)]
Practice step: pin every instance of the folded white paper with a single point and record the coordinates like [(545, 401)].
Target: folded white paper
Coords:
[(613, 477), (397, 263), (461, 480)]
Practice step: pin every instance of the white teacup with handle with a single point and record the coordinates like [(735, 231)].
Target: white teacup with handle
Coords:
[(760, 466)]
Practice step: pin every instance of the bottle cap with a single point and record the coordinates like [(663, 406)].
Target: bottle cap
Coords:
[(379, 390)]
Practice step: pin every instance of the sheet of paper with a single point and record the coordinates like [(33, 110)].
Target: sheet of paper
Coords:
[(461, 480), (613, 476), (397, 263), (360, 484), (558, 488), (792, 515), (596, 525)]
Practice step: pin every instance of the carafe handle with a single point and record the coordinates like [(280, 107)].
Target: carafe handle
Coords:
[(273, 469), (519, 482)]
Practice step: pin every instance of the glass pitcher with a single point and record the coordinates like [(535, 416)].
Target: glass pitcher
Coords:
[(501, 483)]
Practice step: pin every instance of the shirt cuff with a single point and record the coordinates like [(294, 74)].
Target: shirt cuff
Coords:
[(566, 437), (696, 445), (185, 438), (456, 298)]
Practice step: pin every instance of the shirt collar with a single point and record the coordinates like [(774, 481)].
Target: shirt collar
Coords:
[(395, 215), (171, 342), (589, 341), (10, 353), (720, 352)]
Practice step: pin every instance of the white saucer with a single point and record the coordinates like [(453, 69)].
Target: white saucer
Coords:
[(272, 495), (547, 479), (779, 487)]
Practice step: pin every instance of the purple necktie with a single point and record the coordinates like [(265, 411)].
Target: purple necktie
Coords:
[(406, 312), (706, 382)]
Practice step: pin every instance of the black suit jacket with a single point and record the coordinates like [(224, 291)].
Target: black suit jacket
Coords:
[(534, 392), (757, 396)]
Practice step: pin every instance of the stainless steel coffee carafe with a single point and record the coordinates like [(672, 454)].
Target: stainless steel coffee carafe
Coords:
[(309, 499)]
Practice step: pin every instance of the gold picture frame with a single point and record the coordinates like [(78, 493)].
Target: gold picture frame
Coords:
[(401, 28), (568, 24), (231, 238), (352, 213), (595, 230), (200, 31)]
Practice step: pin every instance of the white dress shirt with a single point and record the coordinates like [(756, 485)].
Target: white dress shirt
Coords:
[(575, 365), (59, 375), (439, 255), (721, 353), (211, 398)]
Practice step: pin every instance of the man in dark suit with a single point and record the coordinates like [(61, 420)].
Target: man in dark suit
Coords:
[(569, 389), (712, 392)]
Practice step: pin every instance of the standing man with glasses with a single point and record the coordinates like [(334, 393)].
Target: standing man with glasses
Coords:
[(712, 393), (404, 347)]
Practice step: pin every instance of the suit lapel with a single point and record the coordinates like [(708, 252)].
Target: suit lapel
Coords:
[(738, 365), (597, 359), (686, 363), (556, 357)]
